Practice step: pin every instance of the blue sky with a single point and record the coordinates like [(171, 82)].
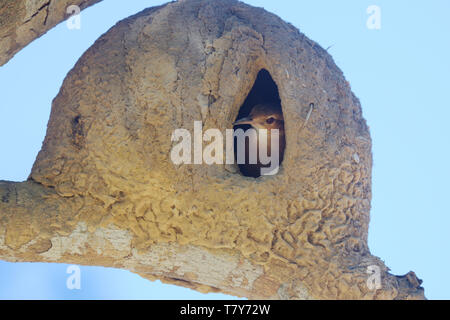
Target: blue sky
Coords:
[(399, 72)]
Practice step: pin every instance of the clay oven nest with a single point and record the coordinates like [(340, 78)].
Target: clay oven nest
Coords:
[(301, 233)]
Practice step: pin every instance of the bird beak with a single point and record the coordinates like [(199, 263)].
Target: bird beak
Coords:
[(245, 120)]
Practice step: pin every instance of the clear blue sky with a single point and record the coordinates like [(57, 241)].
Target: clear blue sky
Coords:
[(400, 73)]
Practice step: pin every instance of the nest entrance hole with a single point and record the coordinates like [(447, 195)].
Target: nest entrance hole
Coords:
[(264, 91)]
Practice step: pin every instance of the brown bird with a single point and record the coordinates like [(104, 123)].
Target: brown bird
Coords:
[(262, 116)]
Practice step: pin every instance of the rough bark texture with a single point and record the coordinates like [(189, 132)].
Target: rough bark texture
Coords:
[(103, 190), (22, 21)]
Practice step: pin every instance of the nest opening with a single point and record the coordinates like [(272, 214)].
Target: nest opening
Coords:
[(256, 113)]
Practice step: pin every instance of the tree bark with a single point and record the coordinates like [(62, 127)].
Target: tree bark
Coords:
[(37, 225), (22, 21)]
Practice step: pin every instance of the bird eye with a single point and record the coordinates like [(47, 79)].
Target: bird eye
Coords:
[(270, 120)]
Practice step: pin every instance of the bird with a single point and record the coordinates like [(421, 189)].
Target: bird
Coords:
[(267, 116)]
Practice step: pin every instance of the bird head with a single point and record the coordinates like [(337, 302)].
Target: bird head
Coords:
[(264, 116)]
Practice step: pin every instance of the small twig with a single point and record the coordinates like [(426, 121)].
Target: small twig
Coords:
[(329, 47), (311, 107)]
